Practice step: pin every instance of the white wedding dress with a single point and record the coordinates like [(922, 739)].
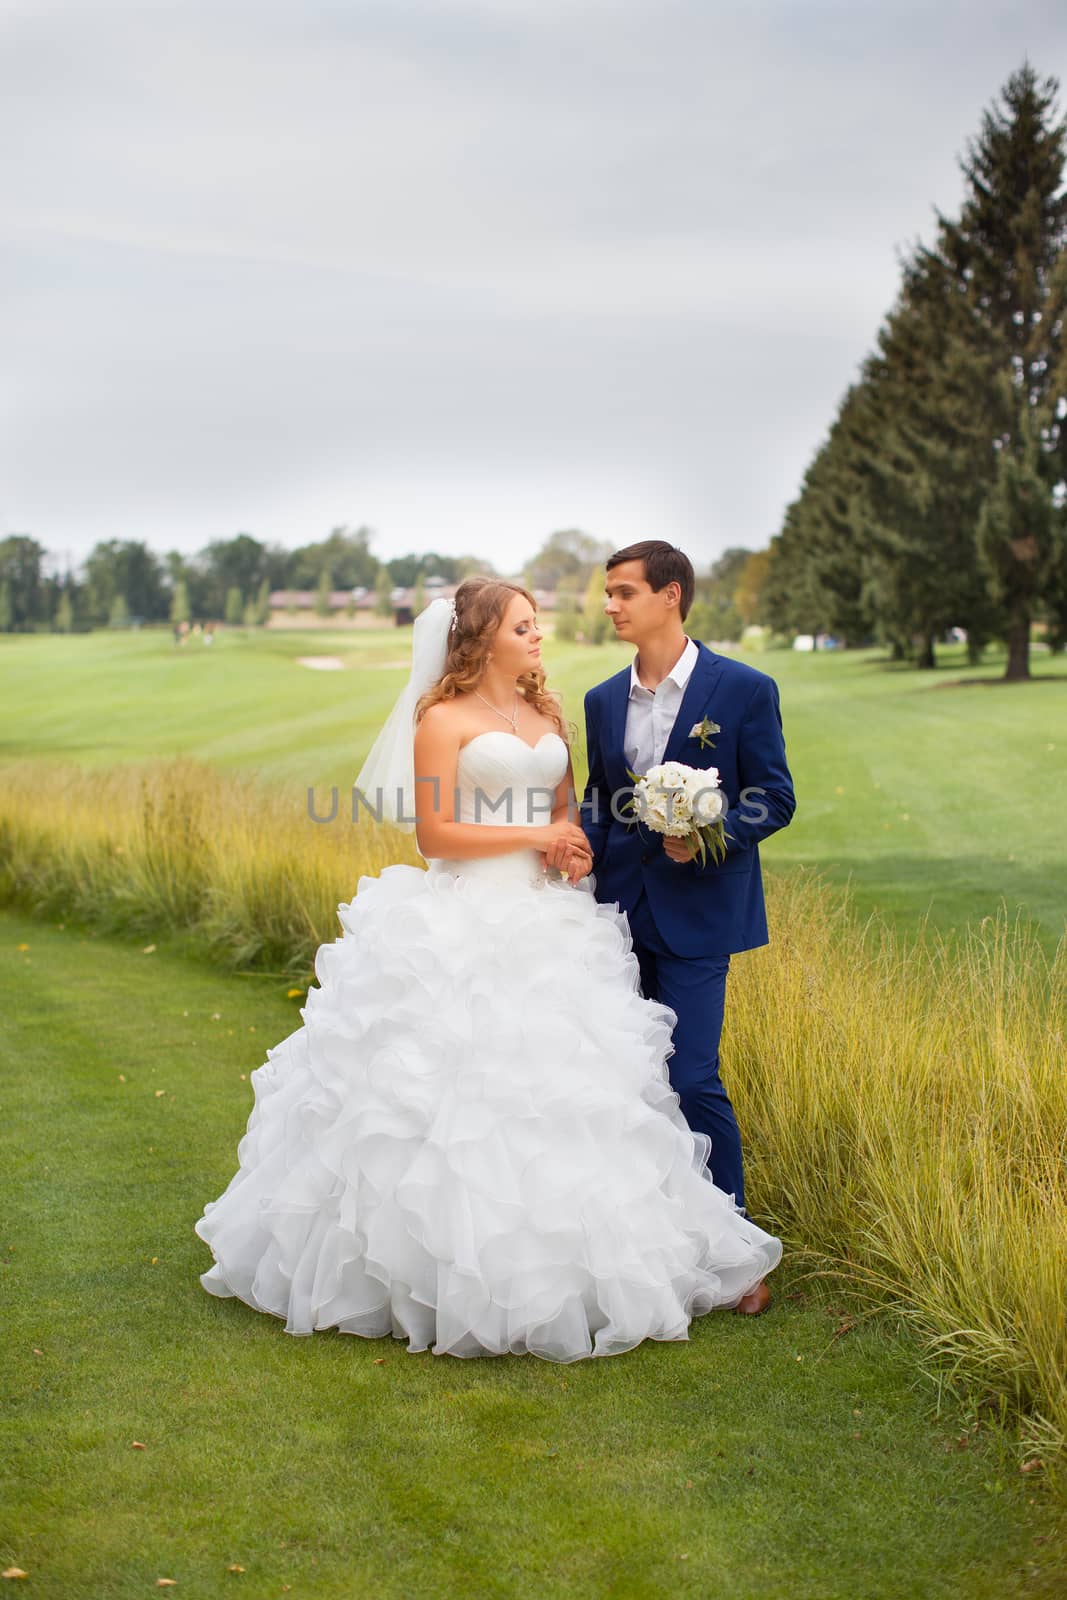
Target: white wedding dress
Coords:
[(472, 1142)]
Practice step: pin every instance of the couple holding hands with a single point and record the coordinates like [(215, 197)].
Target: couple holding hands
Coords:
[(502, 1126)]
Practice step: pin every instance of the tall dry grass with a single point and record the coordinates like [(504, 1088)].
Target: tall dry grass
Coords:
[(904, 1106), (906, 1112), (178, 846)]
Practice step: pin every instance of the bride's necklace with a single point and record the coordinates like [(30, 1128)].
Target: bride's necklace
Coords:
[(513, 718)]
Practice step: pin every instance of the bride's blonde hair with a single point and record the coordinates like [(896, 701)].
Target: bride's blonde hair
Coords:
[(480, 607)]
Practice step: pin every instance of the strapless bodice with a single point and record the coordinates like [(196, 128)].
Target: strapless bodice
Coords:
[(501, 781)]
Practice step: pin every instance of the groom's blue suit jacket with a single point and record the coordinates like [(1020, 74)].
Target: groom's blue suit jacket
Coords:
[(717, 908)]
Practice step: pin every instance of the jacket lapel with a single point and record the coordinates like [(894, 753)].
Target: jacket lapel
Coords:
[(702, 680), (618, 700)]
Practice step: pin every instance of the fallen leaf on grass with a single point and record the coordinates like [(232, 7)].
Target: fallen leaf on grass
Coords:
[(122, 1077), (37, 1352), (137, 1445), (290, 994), (166, 1583), (15, 1572), (235, 1568), (24, 947), (379, 1361), (149, 950), (1035, 1464), (159, 1092)]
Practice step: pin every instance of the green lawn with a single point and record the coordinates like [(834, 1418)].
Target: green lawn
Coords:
[(932, 793), (779, 1459)]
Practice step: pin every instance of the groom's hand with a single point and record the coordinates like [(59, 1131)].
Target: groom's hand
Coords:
[(677, 849), (573, 860)]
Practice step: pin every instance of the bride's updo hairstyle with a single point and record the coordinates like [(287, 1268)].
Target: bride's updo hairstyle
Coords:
[(480, 607)]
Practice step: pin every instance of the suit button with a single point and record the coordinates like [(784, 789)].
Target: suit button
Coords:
[(646, 858)]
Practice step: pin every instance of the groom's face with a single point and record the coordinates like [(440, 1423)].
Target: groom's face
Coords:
[(636, 609)]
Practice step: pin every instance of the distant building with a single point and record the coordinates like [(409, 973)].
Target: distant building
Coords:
[(298, 608)]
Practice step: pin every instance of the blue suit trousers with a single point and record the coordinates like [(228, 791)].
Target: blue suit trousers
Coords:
[(695, 990)]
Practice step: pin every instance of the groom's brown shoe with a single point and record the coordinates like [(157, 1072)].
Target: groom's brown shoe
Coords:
[(755, 1301)]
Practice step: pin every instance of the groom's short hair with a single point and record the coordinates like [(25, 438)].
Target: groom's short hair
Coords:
[(664, 563)]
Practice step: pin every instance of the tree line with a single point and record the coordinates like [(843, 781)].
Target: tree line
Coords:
[(122, 582), (936, 501)]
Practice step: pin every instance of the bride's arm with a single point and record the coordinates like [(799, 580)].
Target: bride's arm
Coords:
[(438, 834), (575, 860)]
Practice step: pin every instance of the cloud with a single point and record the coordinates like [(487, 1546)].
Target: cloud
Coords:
[(460, 269)]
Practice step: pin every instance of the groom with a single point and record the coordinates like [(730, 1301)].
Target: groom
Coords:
[(686, 919)]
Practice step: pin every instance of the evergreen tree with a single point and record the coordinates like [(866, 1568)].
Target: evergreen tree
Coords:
[(64, 618), (921, 461), (815, 566), (794, 601), (1008, 252), (234, 608), (262, 616), (7, 610), (322, 594), (119, 614)]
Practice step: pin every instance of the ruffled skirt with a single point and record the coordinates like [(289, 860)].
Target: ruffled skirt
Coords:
[(472, 1142)]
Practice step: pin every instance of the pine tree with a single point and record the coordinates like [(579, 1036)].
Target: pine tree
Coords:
[(119, 615), (235, 605), (922, 462), (815, 568), (7, 610), (64, 618), (322, 594), (262, 616), (1009, 251)]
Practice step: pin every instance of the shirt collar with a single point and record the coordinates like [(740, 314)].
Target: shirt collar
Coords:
[(680, 673)]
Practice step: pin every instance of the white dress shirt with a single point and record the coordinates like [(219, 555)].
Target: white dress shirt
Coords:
[(650, 714)]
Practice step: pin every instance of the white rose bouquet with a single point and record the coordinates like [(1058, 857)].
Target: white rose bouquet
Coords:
[(683, 803)]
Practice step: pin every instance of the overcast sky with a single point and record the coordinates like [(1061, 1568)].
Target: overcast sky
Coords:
[(466, 271)]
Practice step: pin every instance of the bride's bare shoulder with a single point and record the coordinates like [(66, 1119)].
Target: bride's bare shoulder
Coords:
[(445, 719)]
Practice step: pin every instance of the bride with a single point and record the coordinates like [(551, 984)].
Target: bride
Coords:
[(472, 1142)]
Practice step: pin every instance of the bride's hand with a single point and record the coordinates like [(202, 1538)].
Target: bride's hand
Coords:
[(566, 848), (574, 863)]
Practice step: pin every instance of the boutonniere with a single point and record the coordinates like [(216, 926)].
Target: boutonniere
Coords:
[(703, 731)]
